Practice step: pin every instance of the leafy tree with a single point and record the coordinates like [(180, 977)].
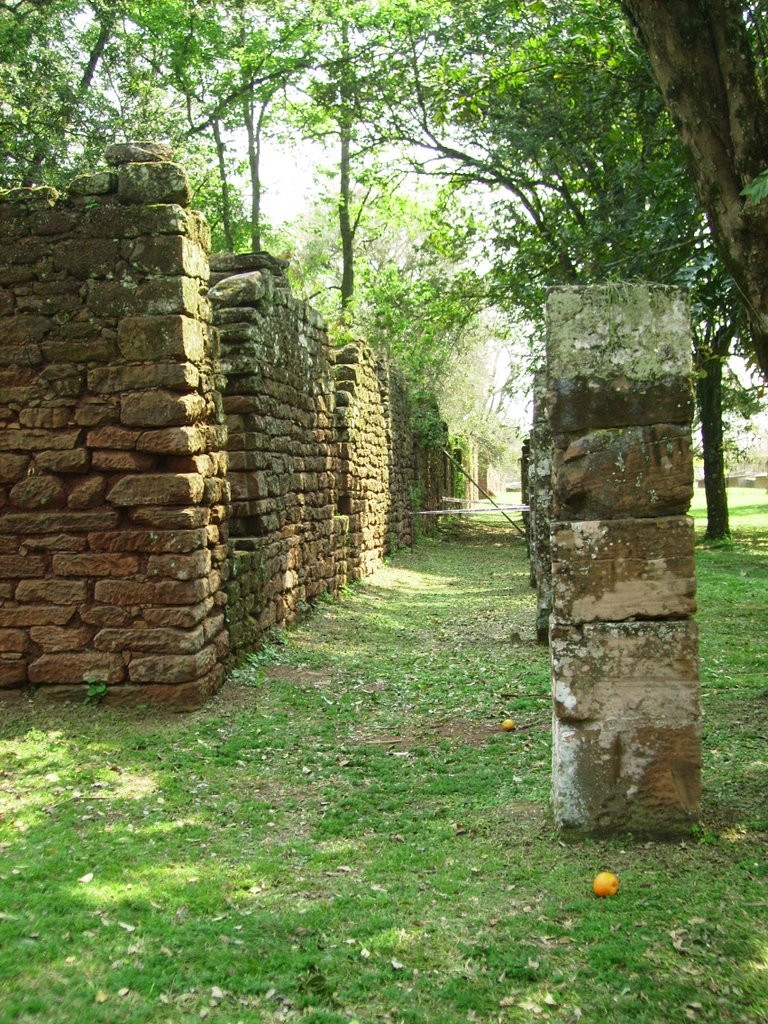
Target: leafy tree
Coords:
[(709, 59)]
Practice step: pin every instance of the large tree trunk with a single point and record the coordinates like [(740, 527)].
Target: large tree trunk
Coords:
[(700, 55), (709, 396)]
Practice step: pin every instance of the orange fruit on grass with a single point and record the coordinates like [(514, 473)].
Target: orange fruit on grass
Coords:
[(508, 724), (606, 884)]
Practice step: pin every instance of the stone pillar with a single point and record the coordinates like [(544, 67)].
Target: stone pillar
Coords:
[(626, 746), (540, 491)]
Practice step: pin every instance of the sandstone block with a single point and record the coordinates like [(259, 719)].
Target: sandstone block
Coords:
[(115, 461), (118, 379), (76, 461), (157, 489), (177, 618), (136, 152), (611, 570), (584, 403), (55, 542), (180, 567), (162, 337), (56, 591), (77, 668), (88, 494), (13, 641), (152, 183), (168, 592), (158, 640), (38, 492), (161, 409), (172, 668), (112, 437), (13, 467), (21, 566), (36, 615), (173, 441), (635, 776), (241, 290), (38, 440), (99, 184), (12, 672), (603, 670), (171, 518), (170, 254), (114, 565), (52, 639), (154, 541), (636, 472)]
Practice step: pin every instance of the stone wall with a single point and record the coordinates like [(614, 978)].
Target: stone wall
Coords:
[(540, 504), (376, 466), (112, 490), (287, 546), (132, 445), (619, 404)]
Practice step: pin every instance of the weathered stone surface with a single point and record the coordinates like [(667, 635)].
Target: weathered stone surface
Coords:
[(77, 461), (180, 567), (610, 669), (611, 570), (162, 337), (99, 184), (38, 492), (161, 640), (52, 639), (88, 494), (172, 441), (76, 668), (56, 591), (37, 440), (151, 183), (636, 776), (118, 379), (161, 409), (13, 641), (172, 668), (96, 565), (170, 254), (634, 472), (638, 332), (21, 566), (36, 615), (240, 290), (148, 540), (157, 489), (122, 461), (13, 468), (136, 152), (581, 404), (168, 592), (54, 522)]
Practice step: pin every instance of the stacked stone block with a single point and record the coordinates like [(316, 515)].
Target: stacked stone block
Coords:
[(623, 642), (286, 546), (112, 477)]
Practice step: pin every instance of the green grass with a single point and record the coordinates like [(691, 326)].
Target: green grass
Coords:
[(344, 834)]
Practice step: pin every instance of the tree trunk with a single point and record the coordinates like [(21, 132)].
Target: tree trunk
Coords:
[(253, 167), (700, 55), (226, 206), (709, 395)]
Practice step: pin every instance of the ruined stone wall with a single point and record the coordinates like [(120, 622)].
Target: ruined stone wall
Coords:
[(376, 467), (626, 752), (112, 490), (287, 546)]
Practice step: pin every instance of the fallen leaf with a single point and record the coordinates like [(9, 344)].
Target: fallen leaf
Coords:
[(101, 996), (396, 965), (365, 954), (123, 991), (126, 927), (86, 878)]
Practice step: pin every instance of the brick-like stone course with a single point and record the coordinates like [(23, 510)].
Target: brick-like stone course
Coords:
[(112, 377), (627, 748)]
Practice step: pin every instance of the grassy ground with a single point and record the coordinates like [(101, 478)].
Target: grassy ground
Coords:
[(344, 834)]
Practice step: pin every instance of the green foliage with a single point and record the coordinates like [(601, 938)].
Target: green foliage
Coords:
[(96, 692), (757, 189)]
